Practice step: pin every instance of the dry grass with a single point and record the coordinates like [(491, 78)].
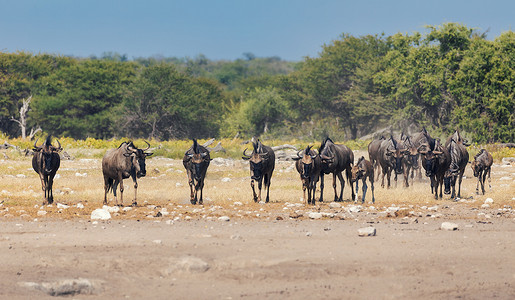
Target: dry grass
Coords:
[(80, 181)]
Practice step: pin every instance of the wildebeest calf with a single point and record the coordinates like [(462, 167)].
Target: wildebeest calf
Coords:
[(482, 166), (196, 160), (309, 165), (46, 162), (363, 169)]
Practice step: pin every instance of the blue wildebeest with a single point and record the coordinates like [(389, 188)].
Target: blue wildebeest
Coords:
[(308, 165), (410, 162), (482, 166), (390, 156), (121, 163), (459, 159), (419, 139), (363, 169), (196, 160), (262, 164), (46, 162), (436, 161), (335, 160), (373, 152)]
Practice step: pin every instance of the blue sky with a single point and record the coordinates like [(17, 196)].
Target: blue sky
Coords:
[(226, 29)]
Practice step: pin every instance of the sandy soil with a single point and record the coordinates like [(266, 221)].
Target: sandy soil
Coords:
[(168, 249)]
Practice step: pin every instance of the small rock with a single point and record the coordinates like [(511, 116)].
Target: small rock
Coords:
[(315, 215), (309, 233), (178, 184), (335, 205), (449, 226), (237, 203), (80, 205), (367, 231), (433, 208), (63, 206), (41, 212), (485, 205), (224, 218), (489, 201), (21, 176), (187, 264), (295, 215), (100, 214), (226, 179), (159, 242), (67, 287), (354, 209), (111, 209)]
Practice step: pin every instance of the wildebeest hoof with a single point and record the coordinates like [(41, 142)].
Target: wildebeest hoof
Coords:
[(134, 204)]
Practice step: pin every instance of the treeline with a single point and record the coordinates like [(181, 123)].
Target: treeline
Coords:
[(450, 77)]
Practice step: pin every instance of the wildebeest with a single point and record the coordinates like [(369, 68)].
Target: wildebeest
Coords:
[(390, 156), (459, 159), (418, 139), (363, 169), (262, 164), (373, 152), (436, 161), (411, 160), (196, 160), (121, 163), (46, 162), (482, 166), (335, 159), (308, 165)]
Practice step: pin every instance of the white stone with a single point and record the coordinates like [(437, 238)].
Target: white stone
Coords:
[(237, 203), (315, 215), (354, 209), (100, 214), (127, 208), (66, 287), (309, 233), (159, 242), (41, 213), (81, 174), (80, 205), (433, 208), (449, 226), (178, 184), (224, 218), (111, 209), (21, 176), (485, 205), (64, 206), (367, 231), (226, 179), (489, 201), (335, 205)]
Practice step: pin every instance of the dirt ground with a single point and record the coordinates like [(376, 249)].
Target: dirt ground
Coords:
[(232, 248)]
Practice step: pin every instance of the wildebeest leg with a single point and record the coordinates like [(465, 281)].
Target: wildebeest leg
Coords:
[(121, 191), (192, 191), (321, 187), (342, 183), (43, 188), (349, 176), (388, 175), (107, 183), (489, 178), (50, 194), (253, 190), (134, 203), (267, 186), (304, 190), (483, 177), (357, 189), (364, 188), (115, 187), (372, 186), (260, 187), (201, 187), (459, 184)]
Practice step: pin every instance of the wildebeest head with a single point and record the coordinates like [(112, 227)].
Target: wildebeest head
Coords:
[(431, 154), (47, 151), (307, 159), (256, 160), (449, 180), (326, 153), (396, 155), (358, 170), (411, 153), (138, 157), (197, 158)]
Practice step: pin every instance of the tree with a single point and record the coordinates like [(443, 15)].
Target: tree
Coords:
[(164, 103)]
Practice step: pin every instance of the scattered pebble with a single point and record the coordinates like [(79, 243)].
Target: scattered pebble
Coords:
[(367, 231), (449, 226), (224, 218)]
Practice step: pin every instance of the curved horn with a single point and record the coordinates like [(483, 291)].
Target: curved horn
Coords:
[(148, 146), (298, 153), (244, 154), (36, 143)]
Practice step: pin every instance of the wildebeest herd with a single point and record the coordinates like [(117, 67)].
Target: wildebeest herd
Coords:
[(443, 164)]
